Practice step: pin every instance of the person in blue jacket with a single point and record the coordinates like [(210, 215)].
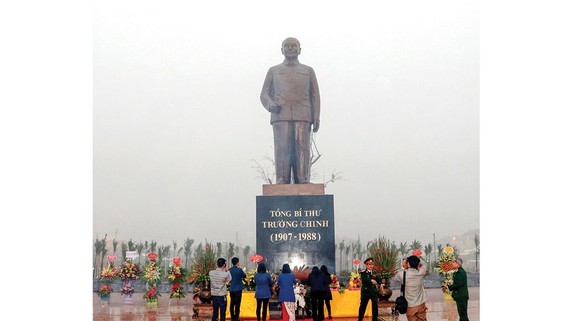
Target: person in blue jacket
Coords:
[(286, 282), (236, 288), (263, 285)]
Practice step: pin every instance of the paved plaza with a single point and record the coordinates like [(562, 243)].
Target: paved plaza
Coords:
[(171, 310)]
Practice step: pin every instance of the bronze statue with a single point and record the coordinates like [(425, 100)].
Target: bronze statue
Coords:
[(291, 94)]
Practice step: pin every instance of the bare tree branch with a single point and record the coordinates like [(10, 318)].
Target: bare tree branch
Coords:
[(334, 177)]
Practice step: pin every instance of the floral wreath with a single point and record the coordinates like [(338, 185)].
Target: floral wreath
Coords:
[(151, 275), (129, 272), (176, 277), (446, 267), (107, 277)]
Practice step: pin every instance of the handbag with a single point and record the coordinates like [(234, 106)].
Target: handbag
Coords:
[(401, 302)]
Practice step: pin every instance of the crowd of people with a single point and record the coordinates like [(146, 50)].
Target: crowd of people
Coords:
[(289, 290)]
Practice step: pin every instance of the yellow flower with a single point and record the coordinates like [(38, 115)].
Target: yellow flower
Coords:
[(448, 250)]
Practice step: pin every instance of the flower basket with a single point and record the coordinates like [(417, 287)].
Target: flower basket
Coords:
[(446, 267), (151, 295), (248, 281), (104, 292), (335, 284), (177, 277), (109, 274), (354, 283), (128, 273)]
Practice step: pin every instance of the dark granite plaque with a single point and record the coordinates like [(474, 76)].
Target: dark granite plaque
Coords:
[(298, 230)]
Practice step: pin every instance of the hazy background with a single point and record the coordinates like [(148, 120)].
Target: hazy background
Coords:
[(177, 118)]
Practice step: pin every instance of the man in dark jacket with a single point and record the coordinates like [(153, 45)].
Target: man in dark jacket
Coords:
[(459, 293), (368, 290)]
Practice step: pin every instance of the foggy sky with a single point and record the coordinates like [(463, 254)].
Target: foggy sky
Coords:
[(177, 117)]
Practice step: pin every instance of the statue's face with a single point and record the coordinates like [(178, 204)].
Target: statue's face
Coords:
[(291, 48)]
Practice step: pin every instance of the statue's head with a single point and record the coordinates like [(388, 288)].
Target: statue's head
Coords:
[(291, 48)]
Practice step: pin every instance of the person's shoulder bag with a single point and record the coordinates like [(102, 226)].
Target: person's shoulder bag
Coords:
[(401, 302)]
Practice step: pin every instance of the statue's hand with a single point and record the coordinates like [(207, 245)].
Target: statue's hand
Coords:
[(274, 108), (316, 126)]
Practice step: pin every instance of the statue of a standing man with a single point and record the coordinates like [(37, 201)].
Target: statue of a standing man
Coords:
[(291, 94)]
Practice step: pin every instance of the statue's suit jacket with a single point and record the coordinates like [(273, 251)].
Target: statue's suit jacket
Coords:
[(295, 89)]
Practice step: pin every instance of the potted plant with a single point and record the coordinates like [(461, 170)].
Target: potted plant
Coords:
[(204, 262), (385, 256)]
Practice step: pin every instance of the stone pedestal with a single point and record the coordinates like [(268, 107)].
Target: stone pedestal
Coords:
[(295, 225), (293, 189)]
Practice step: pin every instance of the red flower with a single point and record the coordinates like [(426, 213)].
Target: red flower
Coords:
[(417, 252), (111, 257), (177, 261), (256, 258), (152, 255), (356, 261)]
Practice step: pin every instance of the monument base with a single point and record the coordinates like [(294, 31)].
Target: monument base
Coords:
[(293, 189), (296, 229)]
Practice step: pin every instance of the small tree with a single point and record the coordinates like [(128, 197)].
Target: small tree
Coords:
[(346, 252), (246, 251), (115, 245), (140, 248), (477, 252), (416, 245), (340, 249), (403, 249), (219, 249), (428, 249), (103, 251), (124, 249), (174, 247), (231, 250), (99, 245), (152, 246), (188, 250)]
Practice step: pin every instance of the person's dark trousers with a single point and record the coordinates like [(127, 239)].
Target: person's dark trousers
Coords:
[(219, 304), (328, 305), (235, 303), (462, 310), (318, 305), (362, 309), (258, 309)]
